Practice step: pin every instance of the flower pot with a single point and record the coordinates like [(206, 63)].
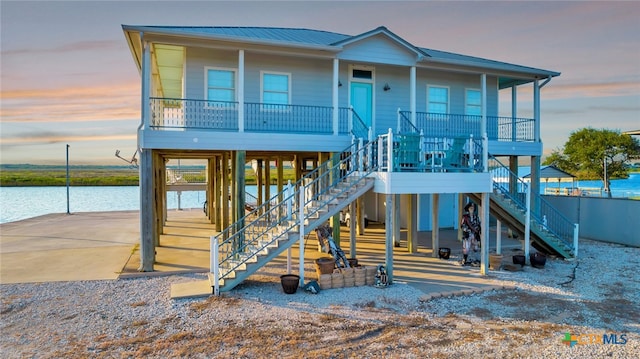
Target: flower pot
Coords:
[(325, 265), (538, 260), (444, 253), (289, 283), (495, 261), (519, 259), (353, 262)]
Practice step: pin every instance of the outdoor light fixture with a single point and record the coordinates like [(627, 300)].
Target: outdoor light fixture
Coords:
[(386, 87)]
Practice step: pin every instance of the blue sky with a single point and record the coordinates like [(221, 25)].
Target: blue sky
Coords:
[(67, 75)]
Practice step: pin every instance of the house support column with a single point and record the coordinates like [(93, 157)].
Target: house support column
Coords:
[(396, 220), (211, 185), (412, 218), (459, 215), (435, 224), (267, 182), (147, 209), (484, 220), (239, 183), (360, 216), (334, 95), (218, 193), (412, 94), (498, 237), (234, 181), (389, 232), (334, 178), (259, 182), (352, 229), (241, 91), (224, 203)]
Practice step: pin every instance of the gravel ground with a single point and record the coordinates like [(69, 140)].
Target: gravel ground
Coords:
[(597, 294)]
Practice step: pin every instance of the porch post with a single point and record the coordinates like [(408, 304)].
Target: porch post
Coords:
[(536, 111), (483, 85), (412, 99), (146, 86), (435, 225), (514, 110), (334, 92), (241, 91)]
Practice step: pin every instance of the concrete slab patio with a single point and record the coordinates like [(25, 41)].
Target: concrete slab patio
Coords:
[(104, 246)]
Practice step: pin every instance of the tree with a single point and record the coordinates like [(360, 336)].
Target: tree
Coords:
[(591, 154)]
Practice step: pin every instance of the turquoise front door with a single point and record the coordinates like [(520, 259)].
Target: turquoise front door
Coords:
[(362, 101)]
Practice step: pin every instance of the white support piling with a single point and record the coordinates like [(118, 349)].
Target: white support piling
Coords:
[(527, 225), (301, 251), (575, 239), (214, 265)]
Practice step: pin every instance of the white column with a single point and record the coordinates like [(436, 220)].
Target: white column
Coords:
[(214, 266), (241, 91), (536, 111), (146, 84), (301, 235), (483, 85), (412, 98), (527, 224), (514, 113), (334, 100)]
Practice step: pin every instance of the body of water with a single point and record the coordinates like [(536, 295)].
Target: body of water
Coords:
[(17, 203)]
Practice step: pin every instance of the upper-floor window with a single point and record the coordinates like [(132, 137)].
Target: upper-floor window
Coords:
[(437, 99), (276, 88), (221, 85), (473, 102)]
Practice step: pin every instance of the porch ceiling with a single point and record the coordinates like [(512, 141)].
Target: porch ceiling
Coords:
[(169, 62)]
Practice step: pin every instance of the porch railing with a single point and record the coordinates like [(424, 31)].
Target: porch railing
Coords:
[(455, 125), (185, 114)]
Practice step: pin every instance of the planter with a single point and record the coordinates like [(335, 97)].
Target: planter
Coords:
[(519, 259), (289, 283), (444, 253), (495, 261), (325, 265), (538, 260)]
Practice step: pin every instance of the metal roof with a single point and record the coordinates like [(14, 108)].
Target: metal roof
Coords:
[(325, 40)]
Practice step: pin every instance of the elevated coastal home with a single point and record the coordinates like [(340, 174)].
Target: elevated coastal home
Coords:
[(367, 116)]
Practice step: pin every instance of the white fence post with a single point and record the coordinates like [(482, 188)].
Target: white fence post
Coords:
[(576, 226), (214, 265)]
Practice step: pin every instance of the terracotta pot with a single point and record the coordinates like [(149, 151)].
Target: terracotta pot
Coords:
[(289, 283)]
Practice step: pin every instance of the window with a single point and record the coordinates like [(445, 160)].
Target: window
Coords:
[(221, 86), (437, 99), (473, 102), (276, 88)]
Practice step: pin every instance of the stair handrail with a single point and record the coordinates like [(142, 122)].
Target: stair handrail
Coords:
[(242, 240), (547, 217)]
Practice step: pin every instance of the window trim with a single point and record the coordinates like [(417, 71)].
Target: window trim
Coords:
[(448, 88), (235, 88), (265, 106)]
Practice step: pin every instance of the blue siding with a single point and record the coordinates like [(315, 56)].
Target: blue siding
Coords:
[(378, 49)]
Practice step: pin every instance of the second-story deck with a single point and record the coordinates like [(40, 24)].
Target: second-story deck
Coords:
[(260, 126)]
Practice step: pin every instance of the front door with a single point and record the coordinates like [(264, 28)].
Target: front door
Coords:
[(362, 100)]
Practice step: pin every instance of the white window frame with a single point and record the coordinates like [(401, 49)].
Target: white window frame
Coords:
[(466, 102), (448, 97), (206, 87), (264, 106)]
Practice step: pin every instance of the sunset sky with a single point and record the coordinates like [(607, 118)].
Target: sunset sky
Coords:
[(68, 77)]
